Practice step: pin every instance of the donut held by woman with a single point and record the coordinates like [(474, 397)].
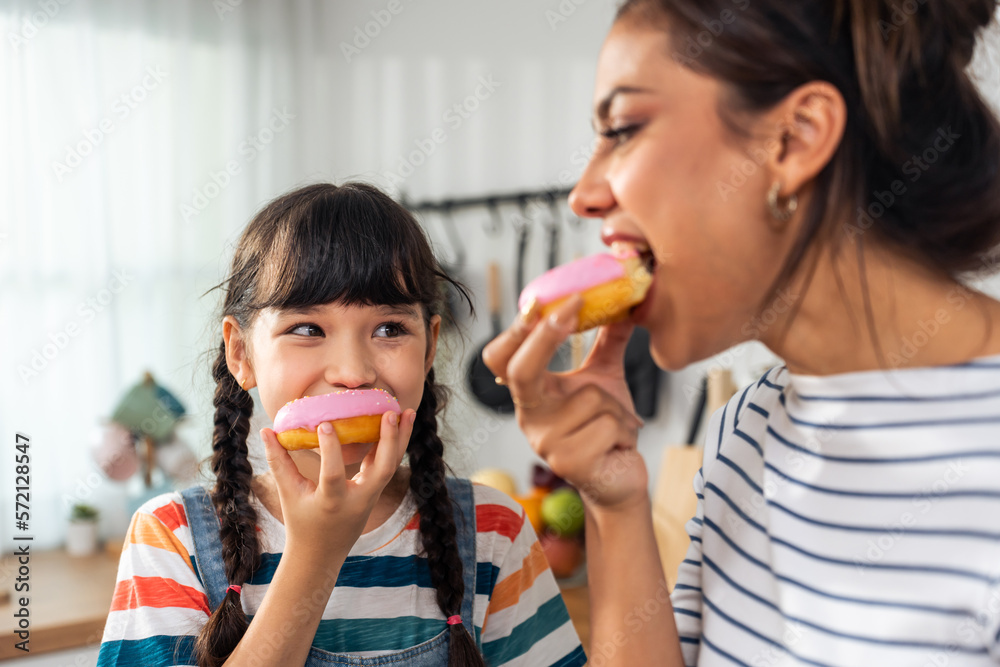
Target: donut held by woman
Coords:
[(356, 415), (611, 284)]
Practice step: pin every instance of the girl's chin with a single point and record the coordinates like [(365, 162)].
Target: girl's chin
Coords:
[(355, 453)]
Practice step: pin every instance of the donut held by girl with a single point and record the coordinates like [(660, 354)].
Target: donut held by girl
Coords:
[(356, 415), (611, 284)]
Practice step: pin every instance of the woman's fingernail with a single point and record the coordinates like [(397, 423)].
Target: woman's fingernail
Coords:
[(412, 417), (530, 312), (326, 427), (562, 322), (393, 418)]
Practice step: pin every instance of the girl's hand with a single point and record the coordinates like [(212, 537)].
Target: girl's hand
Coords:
[(583, 423), (324, 520)]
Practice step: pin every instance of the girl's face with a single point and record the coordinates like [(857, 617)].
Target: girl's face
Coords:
[(668, 174), (317, 350)]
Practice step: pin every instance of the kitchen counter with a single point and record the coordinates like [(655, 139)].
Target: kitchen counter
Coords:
[(68, 600)]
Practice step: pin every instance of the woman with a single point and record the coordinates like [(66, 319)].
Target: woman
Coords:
[(821, 176)]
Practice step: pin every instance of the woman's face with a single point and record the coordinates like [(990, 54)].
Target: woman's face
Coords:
[(668, 174), (298, 353)]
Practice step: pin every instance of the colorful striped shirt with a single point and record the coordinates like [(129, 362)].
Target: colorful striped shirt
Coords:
[(849, 520), (383, 600)]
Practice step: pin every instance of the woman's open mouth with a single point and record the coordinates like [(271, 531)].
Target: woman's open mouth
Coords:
[(618, 247)]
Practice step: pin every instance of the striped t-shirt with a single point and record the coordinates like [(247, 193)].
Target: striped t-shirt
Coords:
[(383, 600), (850, 520)]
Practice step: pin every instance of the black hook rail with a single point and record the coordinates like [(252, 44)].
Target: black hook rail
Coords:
[(490, 201)]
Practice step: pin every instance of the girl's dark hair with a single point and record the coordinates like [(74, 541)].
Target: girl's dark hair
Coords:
[(915, 118), (322, 244)]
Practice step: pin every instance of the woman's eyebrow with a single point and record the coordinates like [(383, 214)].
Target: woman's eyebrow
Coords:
[(601, 111)]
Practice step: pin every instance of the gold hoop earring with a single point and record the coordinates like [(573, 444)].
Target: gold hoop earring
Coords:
[(243, 384), (779, 214)]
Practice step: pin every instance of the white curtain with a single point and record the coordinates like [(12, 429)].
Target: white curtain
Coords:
[(138, 137)]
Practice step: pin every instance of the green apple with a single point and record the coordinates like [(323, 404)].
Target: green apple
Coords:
[(562, 512)]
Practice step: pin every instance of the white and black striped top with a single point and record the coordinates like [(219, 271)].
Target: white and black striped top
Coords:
[(849, 520)]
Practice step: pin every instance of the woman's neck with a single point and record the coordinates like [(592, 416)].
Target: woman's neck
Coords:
[(919, 318)]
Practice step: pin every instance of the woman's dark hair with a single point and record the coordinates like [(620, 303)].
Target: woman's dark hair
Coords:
[(322, 244), (915, 118)]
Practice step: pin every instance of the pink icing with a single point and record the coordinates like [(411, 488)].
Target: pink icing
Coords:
[(574, 277), (310, 411)]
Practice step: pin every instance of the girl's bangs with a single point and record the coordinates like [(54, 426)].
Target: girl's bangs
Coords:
[(351, 245)]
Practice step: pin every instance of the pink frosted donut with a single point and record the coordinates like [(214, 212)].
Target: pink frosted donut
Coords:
[(610, 284), (356, 415)]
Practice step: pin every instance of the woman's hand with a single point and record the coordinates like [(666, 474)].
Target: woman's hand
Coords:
[(324, 520), (583, 423)]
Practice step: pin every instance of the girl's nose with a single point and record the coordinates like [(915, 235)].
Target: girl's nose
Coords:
[(351, 370), (591, 197)]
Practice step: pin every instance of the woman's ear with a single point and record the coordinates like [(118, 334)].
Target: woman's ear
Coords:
[(237, 352), (809, 125), (433, 331)]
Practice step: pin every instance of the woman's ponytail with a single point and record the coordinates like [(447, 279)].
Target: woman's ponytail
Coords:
[(904, 49)]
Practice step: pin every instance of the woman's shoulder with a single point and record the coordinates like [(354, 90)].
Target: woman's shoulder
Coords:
[(757, 398)]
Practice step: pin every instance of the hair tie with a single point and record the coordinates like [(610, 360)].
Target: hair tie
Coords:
[(454, 620), (234, 587)]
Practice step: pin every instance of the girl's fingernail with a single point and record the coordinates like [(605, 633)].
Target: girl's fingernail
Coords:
[(393, 419), (413, 417), (326, 427)]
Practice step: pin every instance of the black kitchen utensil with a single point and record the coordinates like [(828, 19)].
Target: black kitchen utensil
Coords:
[(482, 382), (454, 267), (699, 413), (642, 374)]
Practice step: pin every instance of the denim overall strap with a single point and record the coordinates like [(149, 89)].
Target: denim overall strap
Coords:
[(464, 504), (204, 525)]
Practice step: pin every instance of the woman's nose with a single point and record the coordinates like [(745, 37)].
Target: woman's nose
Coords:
[(591, 197)]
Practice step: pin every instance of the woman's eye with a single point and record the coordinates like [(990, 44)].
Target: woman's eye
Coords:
[(310, 330), (390, 330), (619, 135)]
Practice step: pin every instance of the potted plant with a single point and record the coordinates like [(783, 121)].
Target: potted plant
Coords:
[(81, 535)]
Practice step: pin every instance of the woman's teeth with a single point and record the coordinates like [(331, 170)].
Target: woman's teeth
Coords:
[(626, 248), (623, 248)]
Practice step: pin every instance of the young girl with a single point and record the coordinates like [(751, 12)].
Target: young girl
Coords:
[(823, 176), (340, 556)]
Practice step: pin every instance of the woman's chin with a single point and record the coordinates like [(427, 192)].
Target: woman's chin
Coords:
[(666, 352)]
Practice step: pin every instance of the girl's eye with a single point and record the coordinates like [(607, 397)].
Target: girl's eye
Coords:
[(390, 330), (309, 330), (619, 135)]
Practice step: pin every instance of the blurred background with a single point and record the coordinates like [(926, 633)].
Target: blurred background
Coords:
[(139, 137)]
